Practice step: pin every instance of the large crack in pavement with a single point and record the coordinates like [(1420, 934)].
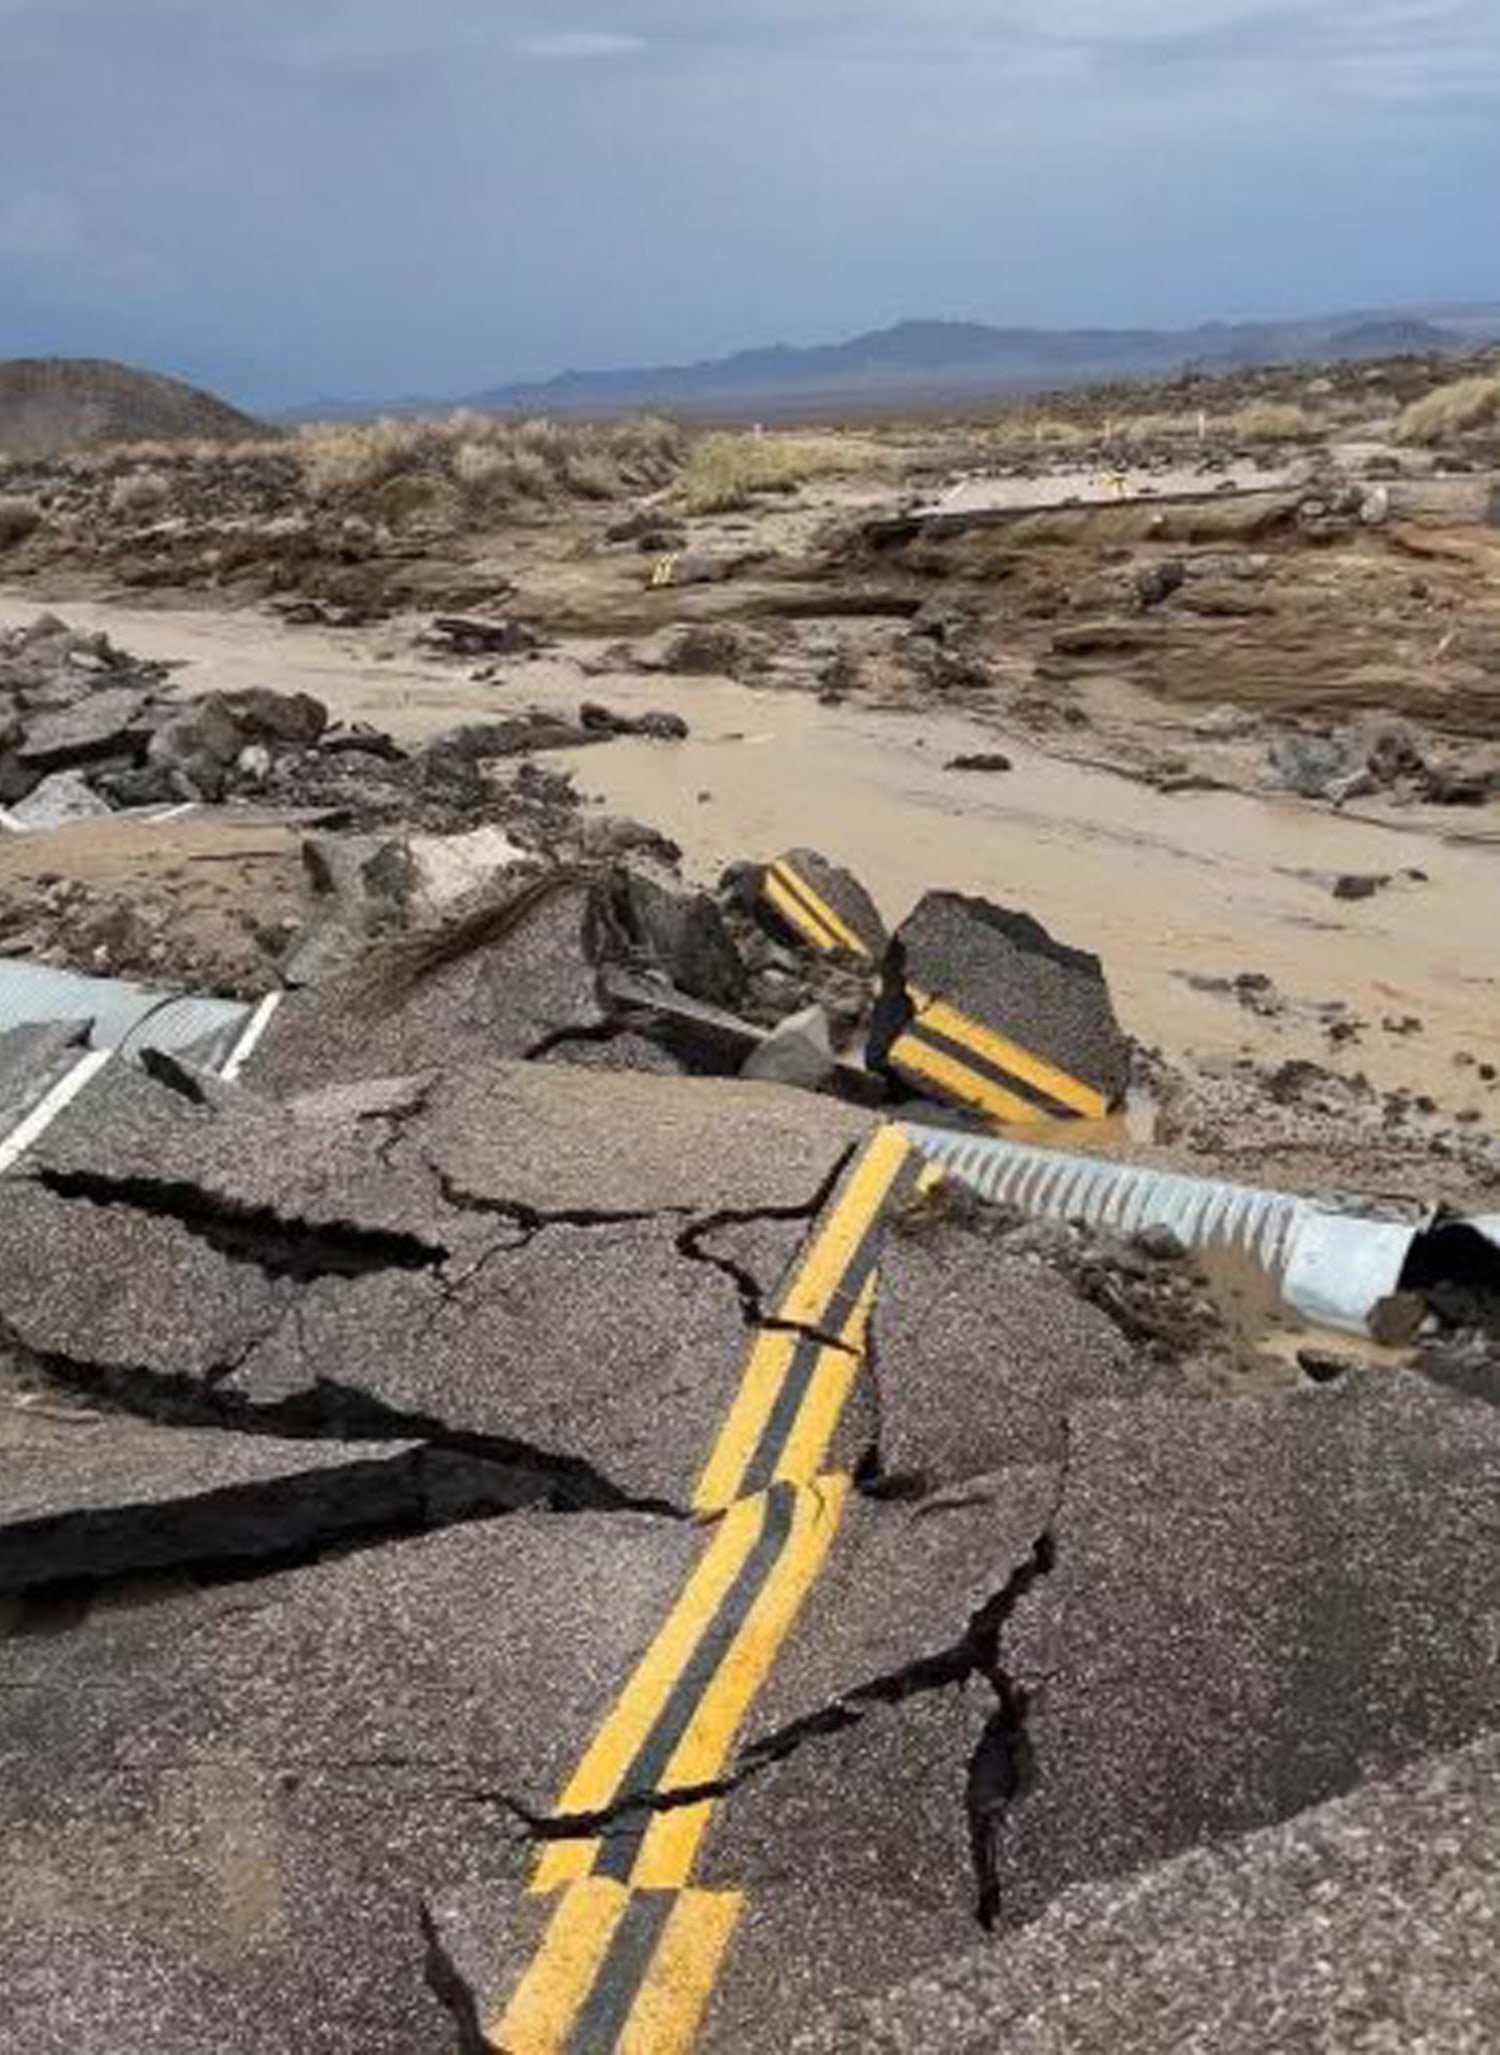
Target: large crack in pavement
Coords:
[(998, 1776), (280, 1246), (549, 1480)]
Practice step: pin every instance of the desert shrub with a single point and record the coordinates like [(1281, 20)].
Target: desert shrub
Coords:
[(139, 492), (1152, 428), (726, 471), (417, 497), (1450, 411), (493, 465), (18, 518), (1269, 421)]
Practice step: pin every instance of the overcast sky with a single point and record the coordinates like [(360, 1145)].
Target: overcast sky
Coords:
[(286, 198)]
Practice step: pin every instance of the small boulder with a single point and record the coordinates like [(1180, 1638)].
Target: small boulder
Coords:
[(290, 720), (798, 1052), (65, 796), (198, 746), (1308, 764)]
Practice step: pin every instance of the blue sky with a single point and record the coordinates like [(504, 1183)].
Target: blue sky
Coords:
[(285, 198)]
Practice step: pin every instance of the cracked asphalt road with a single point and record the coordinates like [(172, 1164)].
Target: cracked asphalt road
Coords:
[(505, 1555)]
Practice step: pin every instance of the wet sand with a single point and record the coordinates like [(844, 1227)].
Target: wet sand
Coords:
[(1161, 885)]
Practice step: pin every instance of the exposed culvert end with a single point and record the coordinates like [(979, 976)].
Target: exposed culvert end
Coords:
[(1334, 1269)]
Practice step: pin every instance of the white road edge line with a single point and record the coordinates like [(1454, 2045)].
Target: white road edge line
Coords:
[(52, 1102), (244, 1048)]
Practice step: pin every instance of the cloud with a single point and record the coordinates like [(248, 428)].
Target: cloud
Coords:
[(567, 46)]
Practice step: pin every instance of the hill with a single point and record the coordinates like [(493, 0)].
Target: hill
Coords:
[(924, 363), (48, 404)]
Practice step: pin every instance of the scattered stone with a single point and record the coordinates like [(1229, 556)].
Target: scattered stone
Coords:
[(991, 760), (64, 796), (1355, 885), (799, 1051), (108, 724), (1309, 764), (1155, 583), (461, 636), (660, 727), (696, 649)]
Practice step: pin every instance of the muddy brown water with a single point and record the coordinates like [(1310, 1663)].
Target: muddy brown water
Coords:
[(1161, 885)]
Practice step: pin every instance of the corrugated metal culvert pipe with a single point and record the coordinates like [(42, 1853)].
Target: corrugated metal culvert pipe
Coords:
[(1334, 1268)]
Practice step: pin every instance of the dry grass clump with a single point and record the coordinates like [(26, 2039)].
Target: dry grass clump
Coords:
[(1451, 411), (1270, 421), (18, 518), (182, 453), (491, 465), (1154, 428), (1019, 433), (139, 492), (726, 471)]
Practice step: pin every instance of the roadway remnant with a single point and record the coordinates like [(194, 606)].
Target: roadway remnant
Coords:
[(823, 906), (982, 1008)]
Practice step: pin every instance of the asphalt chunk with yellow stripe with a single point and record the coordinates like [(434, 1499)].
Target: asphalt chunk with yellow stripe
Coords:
[(822, 906), (631, 1948), (981, 1008), (945, 1051)]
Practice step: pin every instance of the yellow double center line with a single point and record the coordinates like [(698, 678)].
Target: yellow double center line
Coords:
[(979, 1067), (808, 913), (631, 1952)]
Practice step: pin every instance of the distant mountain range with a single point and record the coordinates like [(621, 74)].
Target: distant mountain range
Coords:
[(925, 363)]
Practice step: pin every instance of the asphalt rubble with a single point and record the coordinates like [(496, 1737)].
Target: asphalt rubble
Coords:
[(353, 1414)]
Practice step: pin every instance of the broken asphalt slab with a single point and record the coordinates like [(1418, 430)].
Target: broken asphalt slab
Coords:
[(1254, 1605), (222, 1808), (821, 906), (1367, 1924), (554, 1140), (600, 1358), (517, 1264), (982, 1008), (240, 1166), (979, 1356), (601, 1352), (845, 1818), (94, 1496), (507, 983)]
